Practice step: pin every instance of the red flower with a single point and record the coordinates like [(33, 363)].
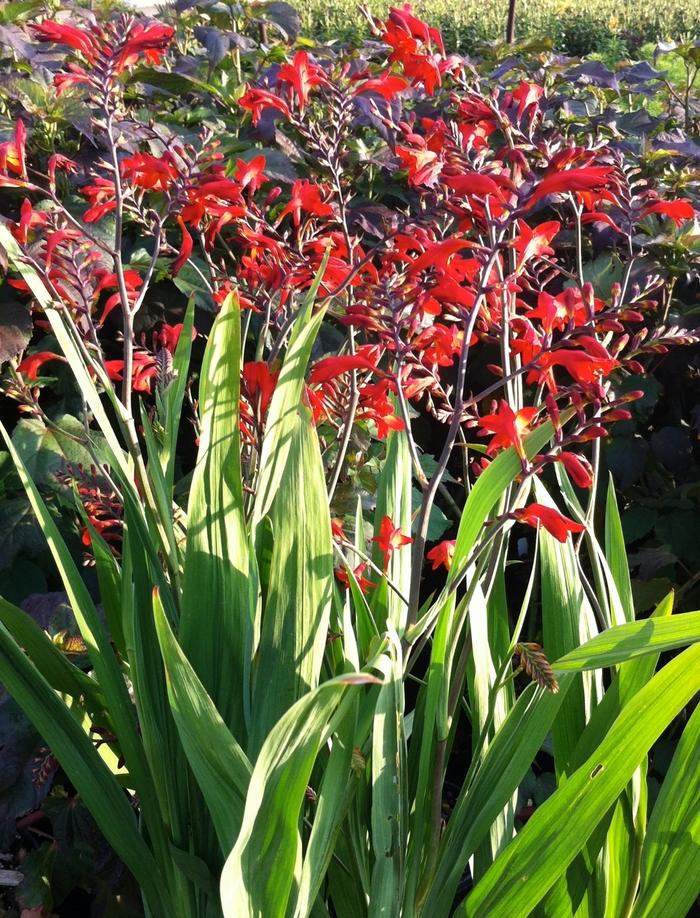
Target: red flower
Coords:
[(259, 383), (362, 582), (678, 211), (578, 468), (32, 363), (390, 538), (87, 42), (256, 101), (476, 183), (101, 195), (387, 85), (149, 40), (414, 45), (582, 367), (555, 312), (330, 367), (375, 405), (403, 21), (250, 174), (306, 197), (531, 243), (527, 95), (337, 530), (145, 369), (28, 219), (124, 50), (587, 179), (169, 335), (185, 248), (423, 165), (12, 156), (443, 554), (508, 427), (59, 161), (153, 173), (553, 521), (302, 75)]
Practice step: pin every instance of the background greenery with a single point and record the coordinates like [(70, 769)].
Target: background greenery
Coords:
[(575, 26)]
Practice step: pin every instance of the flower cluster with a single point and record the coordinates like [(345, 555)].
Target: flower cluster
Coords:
[(456, 289)]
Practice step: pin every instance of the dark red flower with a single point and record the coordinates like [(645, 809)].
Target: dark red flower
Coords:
[(578, 468)]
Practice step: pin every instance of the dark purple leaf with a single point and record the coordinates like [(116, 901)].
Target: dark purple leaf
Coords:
[(640, 73), (13, 37), (284, 16), (217, 43), (593, 73)]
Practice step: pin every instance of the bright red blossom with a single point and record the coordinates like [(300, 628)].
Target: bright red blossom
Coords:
[(508, 427), (551, 519), (32, 363), (390, 538), (302, 75), (443, 554)]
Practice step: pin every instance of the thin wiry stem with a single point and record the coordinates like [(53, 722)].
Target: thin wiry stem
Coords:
[(455, 424)]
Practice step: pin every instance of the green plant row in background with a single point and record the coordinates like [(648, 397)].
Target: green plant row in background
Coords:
[(576, 26)]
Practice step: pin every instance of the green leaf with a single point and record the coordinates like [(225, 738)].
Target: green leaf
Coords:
[(300, 589), (19, 531), (217, 760), (550, 841), (567, 623), (333, 799), (260, 871), (176, 84), (282, 413), (15, 329), (171, 400), (505, 764), (99, 649), (394, 501), (670, 872), (616, 552), (625, 642), (389, 785), (219, 582)]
